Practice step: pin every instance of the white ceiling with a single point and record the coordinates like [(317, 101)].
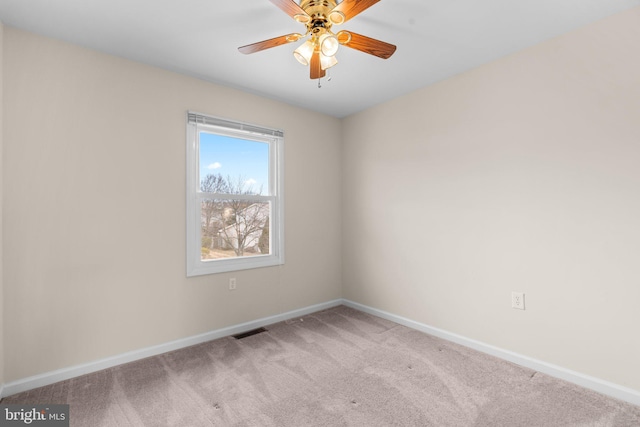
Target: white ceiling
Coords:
[(435, 40)]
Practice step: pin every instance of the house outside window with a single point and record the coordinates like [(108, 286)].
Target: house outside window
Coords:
[(234, 195)]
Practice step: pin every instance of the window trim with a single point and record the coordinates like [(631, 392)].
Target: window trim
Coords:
[(197, 122)]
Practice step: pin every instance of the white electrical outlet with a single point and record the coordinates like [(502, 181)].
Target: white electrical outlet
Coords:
[(232, 284), (517, 300)]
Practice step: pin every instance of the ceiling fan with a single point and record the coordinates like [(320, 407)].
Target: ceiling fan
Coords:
[(319, 16)]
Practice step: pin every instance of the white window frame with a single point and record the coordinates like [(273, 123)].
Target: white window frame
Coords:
[(196, 123)]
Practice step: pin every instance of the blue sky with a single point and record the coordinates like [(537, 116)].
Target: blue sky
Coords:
[(235, 157)]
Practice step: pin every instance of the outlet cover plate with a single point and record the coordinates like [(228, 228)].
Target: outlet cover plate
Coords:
[(517, 300)]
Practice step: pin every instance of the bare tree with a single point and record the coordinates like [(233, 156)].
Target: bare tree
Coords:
[(245, 219), (211, 224), (240, 224)]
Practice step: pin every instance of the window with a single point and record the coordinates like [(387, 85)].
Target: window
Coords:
[(234, 195)]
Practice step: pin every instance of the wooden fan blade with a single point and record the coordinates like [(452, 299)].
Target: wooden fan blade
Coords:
[(366, 44), (291, 8), (351, 8), (266, 44), (316, 70)]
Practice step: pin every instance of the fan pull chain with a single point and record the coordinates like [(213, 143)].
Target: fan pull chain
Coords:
[(328, 79)]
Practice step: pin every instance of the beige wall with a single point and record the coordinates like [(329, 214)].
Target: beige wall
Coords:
[(521, 175), (94, 208)]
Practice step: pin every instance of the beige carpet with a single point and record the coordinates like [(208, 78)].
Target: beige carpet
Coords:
[(338, 367)]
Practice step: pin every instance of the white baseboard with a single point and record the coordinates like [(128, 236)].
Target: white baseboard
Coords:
[(592, 383), (98, 365), (586, 381)]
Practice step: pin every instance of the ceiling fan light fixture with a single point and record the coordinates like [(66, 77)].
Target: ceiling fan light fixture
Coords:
[(336, 17), (304, 52), (318, 51), (327, 61), (329, 44)]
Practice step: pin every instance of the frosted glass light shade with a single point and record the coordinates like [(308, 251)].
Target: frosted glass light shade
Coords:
[(327, 61), (303, 52), (329, 45)]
